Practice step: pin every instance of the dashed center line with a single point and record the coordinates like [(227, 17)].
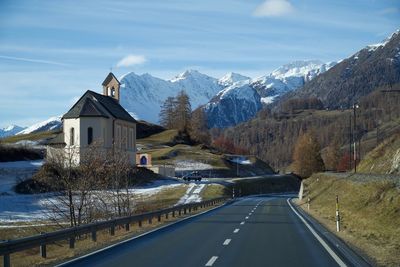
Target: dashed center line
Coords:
[(226, 242), (211, 261), (242, 223), (236, 230), (247, 217)]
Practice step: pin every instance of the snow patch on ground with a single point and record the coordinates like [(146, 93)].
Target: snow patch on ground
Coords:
[(14, 171), (192, 194), (38, 207), (189, 165), (241, 160), (268, 99)]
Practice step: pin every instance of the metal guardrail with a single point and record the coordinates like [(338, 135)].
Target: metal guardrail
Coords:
[(42, 240)]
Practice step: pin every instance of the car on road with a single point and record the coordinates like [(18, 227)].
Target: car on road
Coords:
[(193, 176)]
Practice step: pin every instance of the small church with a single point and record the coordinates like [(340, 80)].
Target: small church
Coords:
[(100, 118)]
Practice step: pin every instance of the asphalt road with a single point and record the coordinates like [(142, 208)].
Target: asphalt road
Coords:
[(255, 231)]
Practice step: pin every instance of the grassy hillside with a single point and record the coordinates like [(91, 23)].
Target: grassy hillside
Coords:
[(370, 212), (32, 137), (383, 159), (170, 148)]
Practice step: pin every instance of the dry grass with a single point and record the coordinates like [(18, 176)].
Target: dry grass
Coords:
[(382, 158), (213, 191), (32, 137), (370, 214)]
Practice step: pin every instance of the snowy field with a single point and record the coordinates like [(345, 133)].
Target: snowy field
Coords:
[(38, 207), (190, 165), (192, 194)]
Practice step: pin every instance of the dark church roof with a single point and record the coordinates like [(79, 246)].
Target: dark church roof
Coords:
[(92, 104), (109, 77)]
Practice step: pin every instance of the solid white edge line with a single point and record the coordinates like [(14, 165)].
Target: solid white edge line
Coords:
[(236, 230), (135, 237), (320, 240), (226, 242), (211, 261)]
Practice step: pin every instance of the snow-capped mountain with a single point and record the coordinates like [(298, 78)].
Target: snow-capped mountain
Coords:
[(143, 95), (345, 83), (231, 78), (289, 77), (51, 124), (241, 100), (234, 104), (10, 130)]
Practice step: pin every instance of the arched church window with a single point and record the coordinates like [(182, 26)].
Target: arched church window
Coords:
[(90, 135), (72, 136)]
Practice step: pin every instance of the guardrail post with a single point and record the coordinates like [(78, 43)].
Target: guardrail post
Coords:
[(190, 209), (6, 260), (173, 213), (94, 235), (166, 215), (337, 214), (43, 251), (140, 223), (184, 210), (72, 242), (159, 217), (180, 212), (112, 230), (150, 220), (127, 227)]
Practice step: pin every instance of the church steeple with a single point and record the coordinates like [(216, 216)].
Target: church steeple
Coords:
[(111, 86)]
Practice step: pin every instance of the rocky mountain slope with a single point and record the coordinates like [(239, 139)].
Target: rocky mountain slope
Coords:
[(142, 95), (241, 100), (345, 83), (51, 124), (10, 130)]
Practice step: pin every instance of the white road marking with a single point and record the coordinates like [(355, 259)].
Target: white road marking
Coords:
[(136, 237), (323, 243), (227, 241), (250, 213), (211, 261), (242, 223), (236, 230), (247, 217)]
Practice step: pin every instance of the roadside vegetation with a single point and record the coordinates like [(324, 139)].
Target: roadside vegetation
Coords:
[(18, 152), (369, 209), (60, 251)]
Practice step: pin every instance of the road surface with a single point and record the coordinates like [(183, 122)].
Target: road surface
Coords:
[(254, 231)]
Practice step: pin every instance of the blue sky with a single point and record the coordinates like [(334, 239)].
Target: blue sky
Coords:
[(53, 51)]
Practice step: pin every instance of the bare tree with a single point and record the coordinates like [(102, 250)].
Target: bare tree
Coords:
[(307, 157)]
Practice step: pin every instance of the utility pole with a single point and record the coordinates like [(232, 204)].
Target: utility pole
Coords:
[(355, 106), (350, 141), (237, 167)]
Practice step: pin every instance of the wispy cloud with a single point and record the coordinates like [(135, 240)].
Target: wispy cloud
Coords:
[(274, 8), (31, 60), (390, 10), (131, 60)]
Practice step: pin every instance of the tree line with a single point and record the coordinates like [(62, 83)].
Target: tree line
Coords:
[(176, 113)]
